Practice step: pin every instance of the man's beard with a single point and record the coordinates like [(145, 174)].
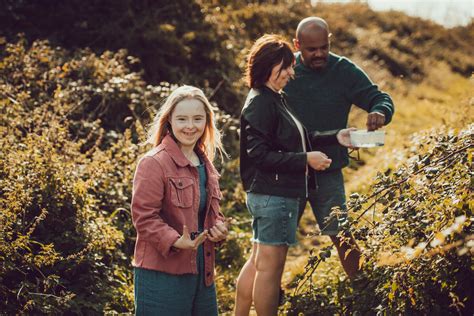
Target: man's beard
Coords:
[(318, 63)]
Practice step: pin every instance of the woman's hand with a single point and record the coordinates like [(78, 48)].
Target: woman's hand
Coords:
[(344, 137), (185, 241), (318, 160), (220, 231)]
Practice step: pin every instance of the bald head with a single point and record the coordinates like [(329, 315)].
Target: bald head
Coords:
[(312, 40), (311, 24)]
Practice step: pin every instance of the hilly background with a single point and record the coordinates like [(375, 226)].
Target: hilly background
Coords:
[(79, 84)]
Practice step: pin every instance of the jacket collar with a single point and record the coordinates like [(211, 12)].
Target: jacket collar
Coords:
[(170, 145), (270, 91), (277, 96)]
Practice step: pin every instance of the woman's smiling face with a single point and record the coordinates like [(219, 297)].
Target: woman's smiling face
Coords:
[(188, 122)]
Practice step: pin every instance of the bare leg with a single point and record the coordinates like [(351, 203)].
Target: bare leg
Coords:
[(351, 262), (270, 262), (245, 281)]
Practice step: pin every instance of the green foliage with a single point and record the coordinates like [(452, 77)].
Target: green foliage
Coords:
[(418, 241), (204, 42), (70, 130), (173, 39), (55, 247), (63, 175), (231, 257), (71, 126)]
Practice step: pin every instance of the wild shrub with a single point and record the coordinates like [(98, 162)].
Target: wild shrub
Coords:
[(63, 175), (70, 131), (71, 128), (173, 39), (416, 231)]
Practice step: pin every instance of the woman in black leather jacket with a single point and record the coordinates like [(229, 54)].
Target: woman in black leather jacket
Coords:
[(277, 167)]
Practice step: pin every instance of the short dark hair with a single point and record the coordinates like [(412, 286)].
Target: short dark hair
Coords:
[(267, 52)]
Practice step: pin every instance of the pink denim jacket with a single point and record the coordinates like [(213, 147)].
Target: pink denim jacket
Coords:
[(165, 197)]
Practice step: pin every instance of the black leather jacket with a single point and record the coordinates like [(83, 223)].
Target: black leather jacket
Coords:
[(272, 160)]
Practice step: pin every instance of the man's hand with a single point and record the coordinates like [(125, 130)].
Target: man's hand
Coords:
[(344, 137), (375, 120), (220, 231), (185, 241), (318, 160)]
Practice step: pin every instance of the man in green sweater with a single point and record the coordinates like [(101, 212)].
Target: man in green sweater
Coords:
[(321, 95)]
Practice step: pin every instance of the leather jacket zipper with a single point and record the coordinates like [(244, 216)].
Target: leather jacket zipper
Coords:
[(276, 174)]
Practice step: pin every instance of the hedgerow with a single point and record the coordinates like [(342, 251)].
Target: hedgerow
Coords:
[(66, 168), (71, 128), (415, 226)]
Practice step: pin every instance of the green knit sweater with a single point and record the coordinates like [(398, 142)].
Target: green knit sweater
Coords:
[(322, 99)]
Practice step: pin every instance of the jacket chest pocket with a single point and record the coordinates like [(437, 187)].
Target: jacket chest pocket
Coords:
[(181, 191)]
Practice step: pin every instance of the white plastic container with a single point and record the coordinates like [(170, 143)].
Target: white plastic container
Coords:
[(363, 138)]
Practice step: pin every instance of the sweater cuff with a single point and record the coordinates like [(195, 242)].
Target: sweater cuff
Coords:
[(385, 110)]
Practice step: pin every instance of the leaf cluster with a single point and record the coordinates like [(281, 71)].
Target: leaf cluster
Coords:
[(71, 131), (416, 230), (64, 173), (173, 39)]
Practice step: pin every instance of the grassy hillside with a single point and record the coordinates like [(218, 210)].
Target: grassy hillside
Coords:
[(443, 98), (388, 45)]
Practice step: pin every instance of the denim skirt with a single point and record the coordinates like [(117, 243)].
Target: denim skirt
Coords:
[(274, 218)]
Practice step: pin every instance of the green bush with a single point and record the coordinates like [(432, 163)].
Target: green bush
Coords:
[(173, 39), (417, 237), (62, 177), (71, 128), (57, 248)]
